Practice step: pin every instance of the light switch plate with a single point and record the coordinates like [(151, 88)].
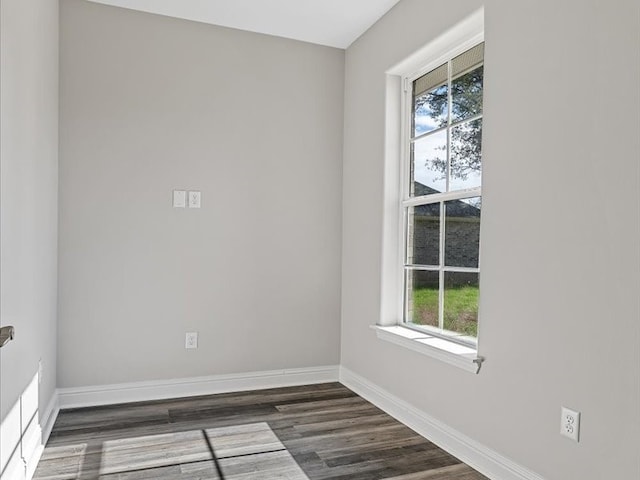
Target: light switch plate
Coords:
[(194, 199), (191, 340), (179, 198)]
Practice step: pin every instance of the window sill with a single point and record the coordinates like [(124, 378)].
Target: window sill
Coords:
[(449, 352)]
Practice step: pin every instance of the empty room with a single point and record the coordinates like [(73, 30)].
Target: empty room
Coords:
[(319, 240)]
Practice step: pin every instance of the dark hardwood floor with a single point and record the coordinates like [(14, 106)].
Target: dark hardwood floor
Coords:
[(312, 432)]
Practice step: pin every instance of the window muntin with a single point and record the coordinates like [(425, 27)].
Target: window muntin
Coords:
[(443, 199)]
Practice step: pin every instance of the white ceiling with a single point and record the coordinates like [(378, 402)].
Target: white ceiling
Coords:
[(336, 23)]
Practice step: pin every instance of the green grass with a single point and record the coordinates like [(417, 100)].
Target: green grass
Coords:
[(460, 308)]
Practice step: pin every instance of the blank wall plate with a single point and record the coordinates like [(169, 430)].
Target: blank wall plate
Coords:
[(179, 198)]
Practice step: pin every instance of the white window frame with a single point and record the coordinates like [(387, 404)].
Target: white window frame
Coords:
[(406, 201), (391, 327)]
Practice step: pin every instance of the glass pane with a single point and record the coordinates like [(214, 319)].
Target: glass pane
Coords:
[(423, 237), (422, 297), (430, 110), (461, 303), (429, 164), (466, 156), (466, 95), (462, 232)]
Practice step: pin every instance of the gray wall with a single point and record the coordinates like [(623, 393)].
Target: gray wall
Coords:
[(28, 202), (149, 104), (560, 227)]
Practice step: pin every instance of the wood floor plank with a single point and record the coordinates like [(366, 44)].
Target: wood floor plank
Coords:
[(315, 432), (458, 471), (263, 466), (243, 440)]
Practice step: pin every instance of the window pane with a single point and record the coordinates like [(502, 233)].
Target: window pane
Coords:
[(429, 164), (466, 95), (461, 303), (430, 110), (423, 237), (462, 232), (422, 297), (466, 156)]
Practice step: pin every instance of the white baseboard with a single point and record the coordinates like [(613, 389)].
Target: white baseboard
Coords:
[(49, 416), (189, 387), (483, 459)]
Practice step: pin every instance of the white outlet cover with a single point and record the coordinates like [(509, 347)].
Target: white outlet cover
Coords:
[(179, 198), (194, 199), (191, 340), (570, 424)]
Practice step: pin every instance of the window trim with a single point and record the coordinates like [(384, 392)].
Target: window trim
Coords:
[(436, 347), (390, 327)]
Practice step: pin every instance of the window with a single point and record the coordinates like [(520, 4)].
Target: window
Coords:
[(442, 197)]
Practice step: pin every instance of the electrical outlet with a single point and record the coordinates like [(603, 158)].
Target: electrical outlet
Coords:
[(191, 340), (570, 424)]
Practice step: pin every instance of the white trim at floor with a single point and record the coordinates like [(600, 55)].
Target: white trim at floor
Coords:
[(189, 387), (49, 417), (483, 459)]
